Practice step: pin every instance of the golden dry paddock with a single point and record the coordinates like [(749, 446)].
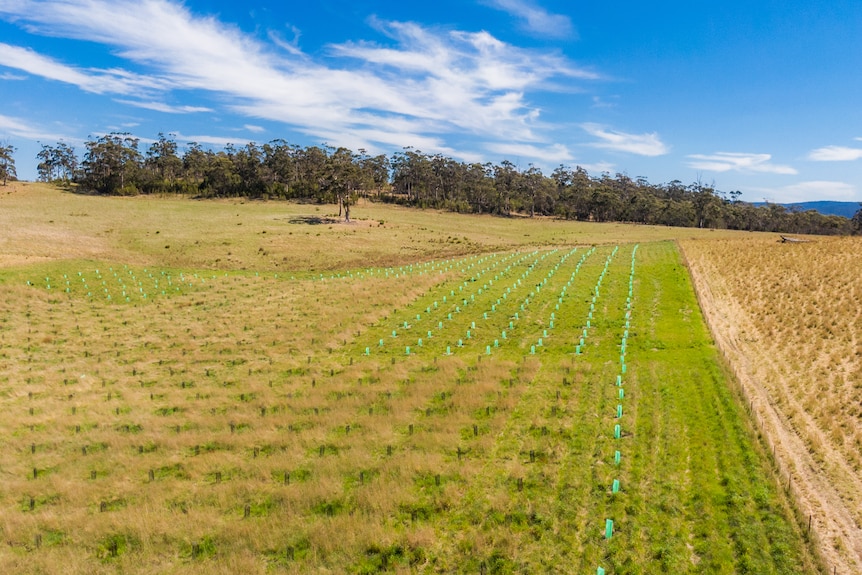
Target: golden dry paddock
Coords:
[(225, 386), (788, 317)]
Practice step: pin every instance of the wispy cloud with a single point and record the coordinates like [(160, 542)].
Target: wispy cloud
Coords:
[(738, 162), (166, 108), (807, 191), (640, 144), (547, 156), (97, 81), (253, 128), (835, 154), (536, 19), (23, 129), (599, 102), (422, 84)]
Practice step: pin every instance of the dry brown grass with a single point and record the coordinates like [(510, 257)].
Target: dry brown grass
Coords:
[(41, 223), (789, 318), (232, 424)]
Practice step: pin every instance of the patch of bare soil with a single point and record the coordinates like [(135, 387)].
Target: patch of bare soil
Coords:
[(824, 486)]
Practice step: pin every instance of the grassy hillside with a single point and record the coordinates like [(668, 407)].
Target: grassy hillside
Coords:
[(42, 223), (485, 402)]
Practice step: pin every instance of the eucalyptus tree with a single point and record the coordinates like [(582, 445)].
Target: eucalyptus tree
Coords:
[(342, 177), (112, 164), (311, 174), (57, 163), (220, 178), (280, 167), (507, 182), (375, 171), (249, 167), (7, 163), (535, 189), (413, 176), (162, 162), (194, 164)]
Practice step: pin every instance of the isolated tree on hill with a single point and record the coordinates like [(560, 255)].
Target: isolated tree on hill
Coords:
[(7, 163), (340, 180)]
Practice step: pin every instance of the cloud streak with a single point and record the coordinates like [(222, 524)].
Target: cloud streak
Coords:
[(23, 129), (738, 162), (639, 144), (165, 108), (535, 19), (554, 154), (96, 81), (835, 154)]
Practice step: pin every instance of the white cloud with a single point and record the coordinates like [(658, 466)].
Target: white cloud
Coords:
[(545, 155), (835, 154), (97, 81), (291, 46), (253, 128), (640, 144), (598, 168), (166, 108), (738, 162), (22, 129), (810, 191), (536, 19), (423, 83)]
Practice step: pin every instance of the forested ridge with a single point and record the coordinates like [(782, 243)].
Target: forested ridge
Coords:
[(115, 164)]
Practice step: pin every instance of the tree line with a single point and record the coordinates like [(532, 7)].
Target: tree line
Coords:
[(115, 164)]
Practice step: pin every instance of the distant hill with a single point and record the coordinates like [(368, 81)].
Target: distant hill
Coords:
[(828, 208)]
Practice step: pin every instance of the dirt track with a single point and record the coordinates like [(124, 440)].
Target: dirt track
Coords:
[(824, 486)]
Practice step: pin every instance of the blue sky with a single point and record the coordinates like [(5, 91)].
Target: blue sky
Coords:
[(761, 97)]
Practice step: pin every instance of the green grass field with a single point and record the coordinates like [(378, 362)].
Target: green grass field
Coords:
[(441, 414)]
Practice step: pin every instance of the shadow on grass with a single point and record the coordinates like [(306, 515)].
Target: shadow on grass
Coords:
[(312, 220)]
